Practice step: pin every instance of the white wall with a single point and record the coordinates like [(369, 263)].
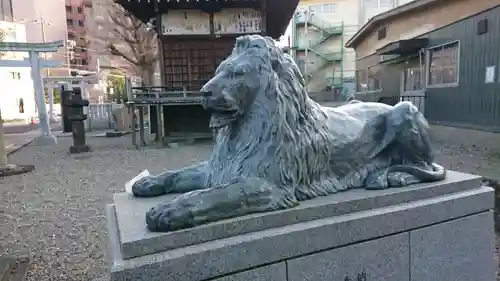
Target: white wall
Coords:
[(13, 90), (16, 82)]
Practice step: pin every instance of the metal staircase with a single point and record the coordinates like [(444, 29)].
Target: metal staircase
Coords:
[(327, 31)]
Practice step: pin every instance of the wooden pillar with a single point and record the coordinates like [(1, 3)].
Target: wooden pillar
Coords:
[(263, 11), (161, 62)]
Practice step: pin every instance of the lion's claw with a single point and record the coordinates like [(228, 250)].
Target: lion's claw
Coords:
[(169, 217), (149, 186)]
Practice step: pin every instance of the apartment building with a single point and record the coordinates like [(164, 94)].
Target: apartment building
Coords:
[(78, 53), (317, 35)]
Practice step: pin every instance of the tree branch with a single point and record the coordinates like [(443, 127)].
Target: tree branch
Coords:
[(127, 37)]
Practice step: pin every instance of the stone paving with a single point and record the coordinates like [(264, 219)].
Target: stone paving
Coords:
[(55, 214), (14, 142)]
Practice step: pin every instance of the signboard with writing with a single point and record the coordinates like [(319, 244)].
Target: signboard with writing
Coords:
[(237, 21), (490, 74), (185, 22)]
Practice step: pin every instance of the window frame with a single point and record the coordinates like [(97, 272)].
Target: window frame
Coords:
[(428, 60), (379, 79), (365, 71), (422, 77)]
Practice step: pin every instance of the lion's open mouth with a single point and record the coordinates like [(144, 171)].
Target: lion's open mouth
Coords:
[(222, 118)]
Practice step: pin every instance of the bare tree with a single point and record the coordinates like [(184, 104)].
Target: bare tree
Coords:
[(129, 38)]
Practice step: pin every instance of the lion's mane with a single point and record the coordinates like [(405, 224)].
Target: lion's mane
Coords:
[(282, 138)]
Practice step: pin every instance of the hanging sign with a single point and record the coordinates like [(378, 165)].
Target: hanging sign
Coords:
[(237, 21), (185, 22)]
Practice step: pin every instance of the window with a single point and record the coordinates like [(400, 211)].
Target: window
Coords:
[(15, 75), (69, 21), (71, 36), (482, 26), (413, 79), (377, 4), (382, 33), (75, 22), (368, 80), (21, 105), (80, 23), (84, 62), (68, 8), (302, 65), (373, 80), (80, 10), (361, 85), (316, 9), (329, 8), (443, 65), (386, 3)]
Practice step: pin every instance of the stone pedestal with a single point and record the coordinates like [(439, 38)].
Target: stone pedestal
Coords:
[(427, 232)]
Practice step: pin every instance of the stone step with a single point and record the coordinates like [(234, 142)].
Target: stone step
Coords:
[(14, 268)]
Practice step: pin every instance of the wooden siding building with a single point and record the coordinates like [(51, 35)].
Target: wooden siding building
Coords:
[(441, 54)]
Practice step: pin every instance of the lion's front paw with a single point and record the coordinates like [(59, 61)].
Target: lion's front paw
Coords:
[(149, 186), (169, 217)]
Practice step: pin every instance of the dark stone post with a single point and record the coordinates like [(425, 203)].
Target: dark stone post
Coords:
[(76, 104), (65, 109)]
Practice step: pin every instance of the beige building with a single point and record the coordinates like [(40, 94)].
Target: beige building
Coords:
[(317, 35)]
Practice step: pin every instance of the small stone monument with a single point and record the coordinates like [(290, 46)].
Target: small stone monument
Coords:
[(76, 116)]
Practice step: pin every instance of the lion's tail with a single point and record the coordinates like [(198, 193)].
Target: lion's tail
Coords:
[(435, 173)]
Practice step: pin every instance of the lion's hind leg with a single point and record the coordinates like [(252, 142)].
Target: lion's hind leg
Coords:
[(240, 197), (407, 146)]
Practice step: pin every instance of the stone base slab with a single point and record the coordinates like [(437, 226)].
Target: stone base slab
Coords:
[(440, 231)]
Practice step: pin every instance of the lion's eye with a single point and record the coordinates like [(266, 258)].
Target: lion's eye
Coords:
[(239, 72)]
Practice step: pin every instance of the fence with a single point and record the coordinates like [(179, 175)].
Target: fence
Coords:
[(417, 100), (99, 115)]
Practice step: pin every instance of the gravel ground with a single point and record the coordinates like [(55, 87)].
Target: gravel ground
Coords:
[(55, 214)]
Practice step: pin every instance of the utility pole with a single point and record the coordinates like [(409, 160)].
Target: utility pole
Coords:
[(3, 152), (42, 29)]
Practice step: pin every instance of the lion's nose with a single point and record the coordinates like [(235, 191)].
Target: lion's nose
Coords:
[(206, 94)]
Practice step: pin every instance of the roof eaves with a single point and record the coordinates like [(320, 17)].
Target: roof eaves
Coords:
[(408, 7)]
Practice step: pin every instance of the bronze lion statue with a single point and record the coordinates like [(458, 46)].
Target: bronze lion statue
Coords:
[(276, 147)]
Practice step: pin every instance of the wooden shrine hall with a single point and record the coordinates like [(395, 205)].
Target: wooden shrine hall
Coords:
[(194, 37)]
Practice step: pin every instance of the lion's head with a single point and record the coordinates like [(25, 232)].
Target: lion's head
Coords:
[(262, 112), (248, 81)]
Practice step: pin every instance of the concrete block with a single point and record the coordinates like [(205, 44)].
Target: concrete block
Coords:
[(137, 241), (458, 250), (357, 220), (274, 272), (377, 260)]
